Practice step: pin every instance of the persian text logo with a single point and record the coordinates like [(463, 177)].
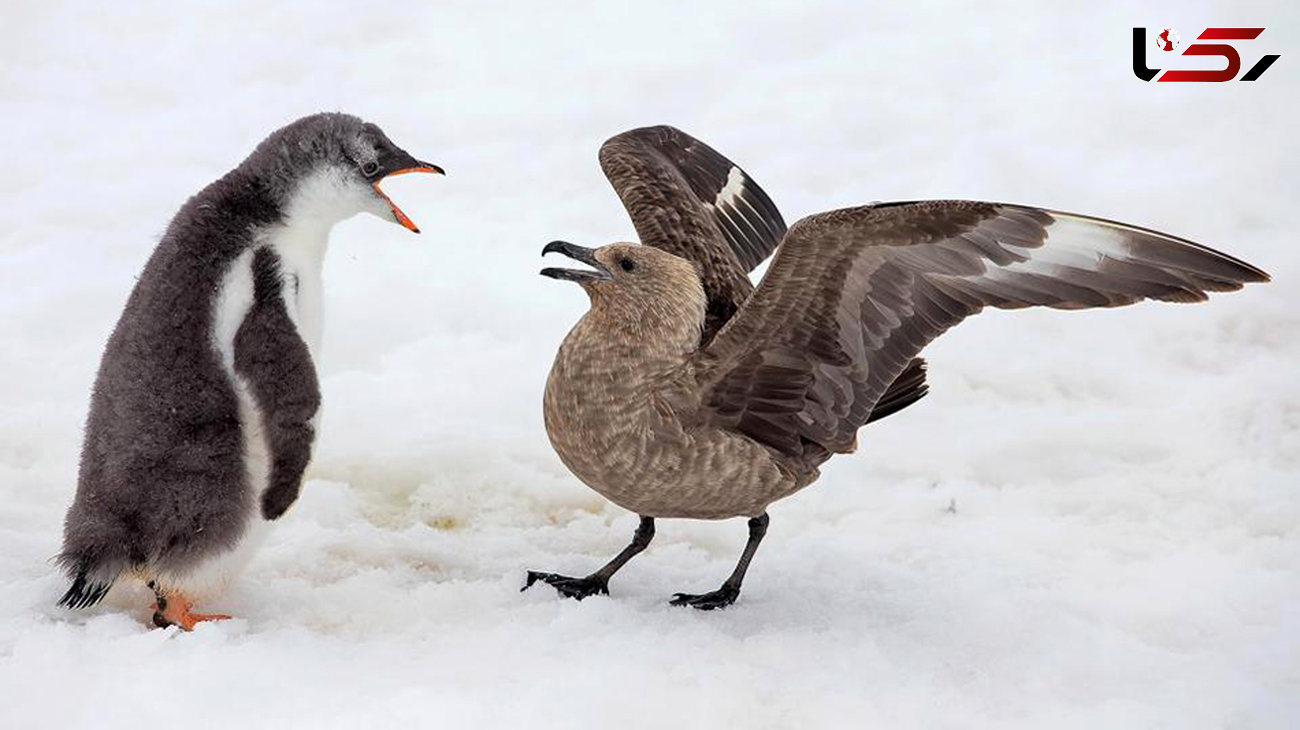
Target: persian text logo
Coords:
[(1167, 40)]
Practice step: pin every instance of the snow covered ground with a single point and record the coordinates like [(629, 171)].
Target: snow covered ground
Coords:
[(1091, 522)]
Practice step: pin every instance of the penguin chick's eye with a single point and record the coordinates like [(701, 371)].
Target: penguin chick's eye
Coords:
[(627, 264), (370, 168)]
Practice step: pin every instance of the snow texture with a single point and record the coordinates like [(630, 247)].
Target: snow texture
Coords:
[(1092, 521)]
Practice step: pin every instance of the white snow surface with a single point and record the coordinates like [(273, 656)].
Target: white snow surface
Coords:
[(1092, 521)]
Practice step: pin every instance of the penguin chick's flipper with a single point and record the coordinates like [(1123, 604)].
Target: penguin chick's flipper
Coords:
[(272, 357)]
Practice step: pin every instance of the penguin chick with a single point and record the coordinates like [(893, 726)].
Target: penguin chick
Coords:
[(205, 407)]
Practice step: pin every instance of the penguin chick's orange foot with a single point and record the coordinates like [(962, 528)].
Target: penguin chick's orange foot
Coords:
[(175, 611)]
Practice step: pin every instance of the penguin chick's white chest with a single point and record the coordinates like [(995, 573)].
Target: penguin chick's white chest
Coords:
[(301, 249), (320, 201)]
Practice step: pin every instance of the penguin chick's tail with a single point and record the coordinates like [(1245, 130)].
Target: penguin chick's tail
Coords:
[(90, 580)]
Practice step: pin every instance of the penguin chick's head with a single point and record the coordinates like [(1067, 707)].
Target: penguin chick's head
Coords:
[(331, 165), (640, 284)]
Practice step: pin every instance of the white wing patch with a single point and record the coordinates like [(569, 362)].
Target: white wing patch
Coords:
[(732, 191), (1072, 243), (732, 205)]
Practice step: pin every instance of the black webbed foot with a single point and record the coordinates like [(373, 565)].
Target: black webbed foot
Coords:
[(721, 598), (578, 588)]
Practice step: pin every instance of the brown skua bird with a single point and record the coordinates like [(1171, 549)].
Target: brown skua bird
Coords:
[(684, 392)]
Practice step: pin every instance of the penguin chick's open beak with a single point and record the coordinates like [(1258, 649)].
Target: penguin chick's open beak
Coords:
[(397, 212), (577, 253)]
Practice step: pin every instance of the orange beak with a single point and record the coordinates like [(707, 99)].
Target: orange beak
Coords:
[(397, 212)]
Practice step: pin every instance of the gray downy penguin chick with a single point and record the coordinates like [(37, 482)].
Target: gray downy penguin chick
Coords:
[(685, 392), (205, 407)]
